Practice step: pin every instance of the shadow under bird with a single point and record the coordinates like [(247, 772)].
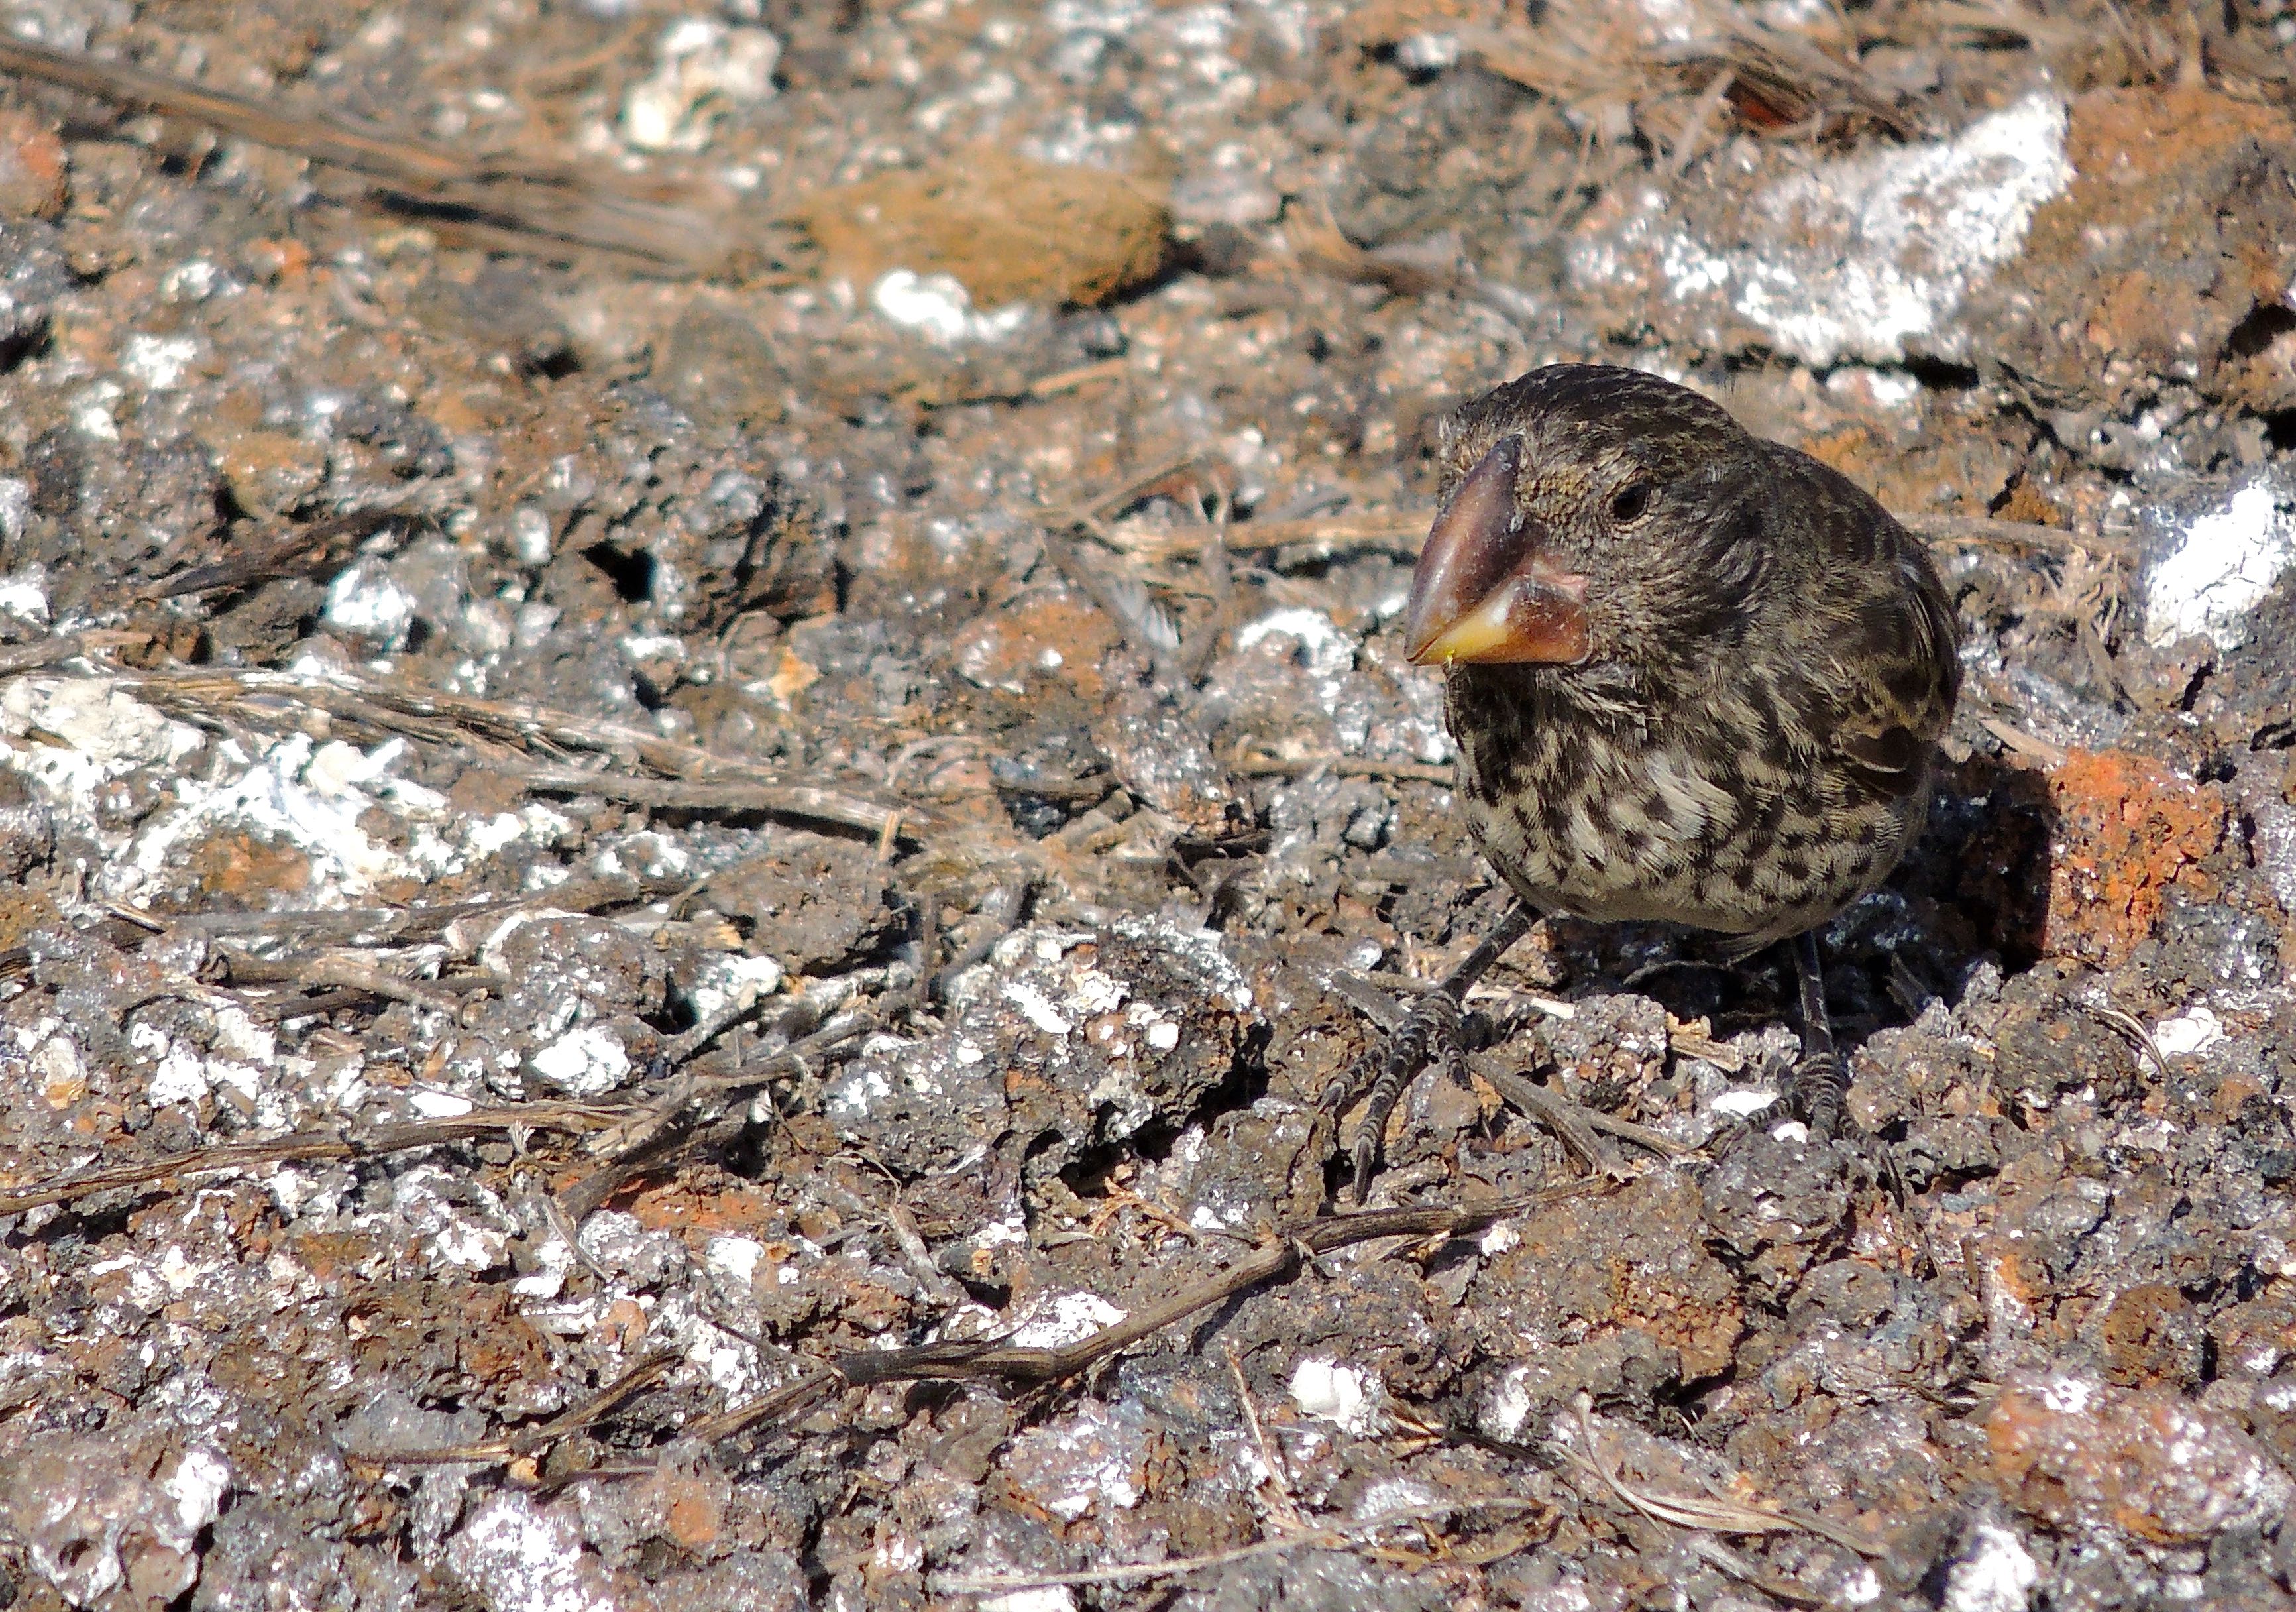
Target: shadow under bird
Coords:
[(1694, 677)]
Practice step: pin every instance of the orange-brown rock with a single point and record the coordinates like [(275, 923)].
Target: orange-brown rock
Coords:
[(2077, 1454), (2169, 253), (2127, 831)]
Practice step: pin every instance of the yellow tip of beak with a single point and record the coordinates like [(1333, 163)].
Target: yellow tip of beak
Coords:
[(1529, 621), (1476, 636)]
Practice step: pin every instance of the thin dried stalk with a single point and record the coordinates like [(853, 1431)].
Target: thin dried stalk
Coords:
[(1699, 1511), (649, 1373), (699, 780), (1345, 767), (531, 204), (969, 1360), (576, 1117), (1304, 1536), (303, 552), (797, 801), (346, 973)]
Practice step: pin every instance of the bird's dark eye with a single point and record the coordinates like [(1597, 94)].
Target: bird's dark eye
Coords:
[(1633, 501)]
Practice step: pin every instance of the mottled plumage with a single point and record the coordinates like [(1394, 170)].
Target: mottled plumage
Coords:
[(1766, 661), (1694, 677)]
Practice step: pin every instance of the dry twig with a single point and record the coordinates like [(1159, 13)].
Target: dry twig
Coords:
[(524, 203), (1572, 1122), (1698, 1511), (304, 551), (1324, 1536), (1341, 766), (696, 779), (404, 1138), (2131, 1029), (2031, 747), (972, 1359), (674, 1122), (648, 1373), (799, 801)]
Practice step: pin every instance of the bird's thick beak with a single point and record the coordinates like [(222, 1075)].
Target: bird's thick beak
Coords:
[(1484, 592)]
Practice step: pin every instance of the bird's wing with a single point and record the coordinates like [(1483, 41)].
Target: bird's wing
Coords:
[(1900, 670), (1881, 647)]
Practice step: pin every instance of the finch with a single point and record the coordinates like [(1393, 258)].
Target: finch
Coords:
[(1694, 677)]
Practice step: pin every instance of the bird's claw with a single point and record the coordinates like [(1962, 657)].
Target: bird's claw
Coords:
[(1819, 1092), (1433, 1033), (1435, 1030)]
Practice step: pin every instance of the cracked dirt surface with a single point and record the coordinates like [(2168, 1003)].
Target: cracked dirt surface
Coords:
[(617, 792)]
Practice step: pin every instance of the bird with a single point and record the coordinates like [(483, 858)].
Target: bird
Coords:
[(1692, 676)]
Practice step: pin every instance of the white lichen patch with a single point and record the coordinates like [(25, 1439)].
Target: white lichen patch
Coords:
[(704, 69), (321, 799), (2221, 565), (1064, 991), (90, 730), (1090, 1461), (200, 1480), (514, 1551), (158, 363), (1321, 648), (554, 1262), (2194, 1031), (1052, 1321), (1390, 1495), (586, 1061), (729, 1363), (733, 1258), (2068, 1395), (1868, 258), (1347, 1396), (861, 1089), (460, 1224), (433, 1104), (1994, 1573), (237, 1059), (1037, 1007), (24, 594), (365, 601), (1507, 1411), (727, 982), (279, 798), (939, 309), (1203, 950)]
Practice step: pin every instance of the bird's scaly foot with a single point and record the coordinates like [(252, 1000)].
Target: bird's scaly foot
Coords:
[(1818, 1091), (1820, 1086), (1432, 1035)]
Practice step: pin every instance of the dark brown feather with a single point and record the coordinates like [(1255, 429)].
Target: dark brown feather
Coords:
[(1747, 748)]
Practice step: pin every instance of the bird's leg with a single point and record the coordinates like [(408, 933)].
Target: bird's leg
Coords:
[(1431, 1034), (1821, 1080)]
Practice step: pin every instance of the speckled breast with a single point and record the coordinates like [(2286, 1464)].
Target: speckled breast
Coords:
[(1676, 823)]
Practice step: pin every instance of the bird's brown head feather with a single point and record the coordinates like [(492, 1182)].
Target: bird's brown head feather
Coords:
[(1608, 534), (1605, 509)]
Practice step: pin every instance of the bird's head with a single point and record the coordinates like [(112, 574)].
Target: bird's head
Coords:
[(1590, 515)]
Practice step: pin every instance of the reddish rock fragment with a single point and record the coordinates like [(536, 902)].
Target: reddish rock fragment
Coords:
[(2127, 830), (1049, 635), (2151, 1334), (32, 166), (2168, 254), (2077, 1454)]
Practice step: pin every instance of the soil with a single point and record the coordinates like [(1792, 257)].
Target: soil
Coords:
[(704, 759)]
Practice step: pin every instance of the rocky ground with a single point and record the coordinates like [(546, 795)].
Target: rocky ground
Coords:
[(704, 759)]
